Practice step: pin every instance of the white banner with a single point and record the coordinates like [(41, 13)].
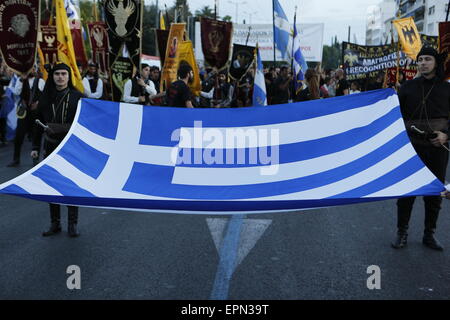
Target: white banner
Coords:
[(311, 37)]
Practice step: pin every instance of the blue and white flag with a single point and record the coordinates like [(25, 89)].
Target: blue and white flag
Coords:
[(10, 104), (259, 88), (71, 10), (299, 61), (282, 29), (288, 157)]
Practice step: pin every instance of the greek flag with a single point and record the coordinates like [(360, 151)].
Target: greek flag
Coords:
[(288, 157), (71, 10), (259, 89), (299, 61), (10, 101), (282, 29)]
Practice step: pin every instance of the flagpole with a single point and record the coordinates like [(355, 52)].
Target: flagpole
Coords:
[(248, 34), (167, 22), (398, 51), (293, 40), (448, 11), (215, 9), (274, 49), (292, 55)]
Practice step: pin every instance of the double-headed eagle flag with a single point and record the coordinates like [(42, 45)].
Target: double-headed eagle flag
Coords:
[(321, 153), (408, 36)]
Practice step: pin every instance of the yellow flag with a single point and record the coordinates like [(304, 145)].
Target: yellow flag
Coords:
[(186, 55), (42, 62), (170, 68), (66, 53), (408, 36), (162, 21)]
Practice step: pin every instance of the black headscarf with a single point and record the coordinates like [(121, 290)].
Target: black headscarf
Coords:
[(430, 51), (49, 93)]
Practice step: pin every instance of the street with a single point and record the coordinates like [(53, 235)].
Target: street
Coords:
[(314, 254)]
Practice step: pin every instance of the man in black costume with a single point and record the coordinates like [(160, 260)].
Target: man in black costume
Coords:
[(425, 106), (56, 109)]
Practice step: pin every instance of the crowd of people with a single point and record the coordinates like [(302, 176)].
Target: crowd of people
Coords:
[(424, 102)]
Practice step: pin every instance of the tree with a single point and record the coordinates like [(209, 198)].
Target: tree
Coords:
[(205, 12), (227, 18), (148, 30), (332, 56), (182, 10)]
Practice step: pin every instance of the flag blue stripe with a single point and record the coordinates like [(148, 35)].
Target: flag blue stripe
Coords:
[(289, 153), (400, 173), (60, 183), (435, 188), (85, 158), (156, 180), (159, 123), (206, 206), (100, 117), (15, 189)]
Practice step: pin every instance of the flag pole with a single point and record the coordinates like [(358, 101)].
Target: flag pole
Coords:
[(215, 9), (293, 39), (248, 34), (274, 49), (448, 11), (398, 52), (292, 55)]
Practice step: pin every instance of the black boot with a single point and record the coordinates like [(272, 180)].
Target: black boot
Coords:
[(14, 163), (55, 218), (401, 240), (430, 241), (73, 219)]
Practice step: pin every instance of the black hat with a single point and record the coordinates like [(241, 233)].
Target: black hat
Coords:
[(61, 66), (92, 64), (428, 51)]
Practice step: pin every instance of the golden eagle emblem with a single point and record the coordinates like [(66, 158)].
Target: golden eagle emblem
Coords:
[(350, 58)]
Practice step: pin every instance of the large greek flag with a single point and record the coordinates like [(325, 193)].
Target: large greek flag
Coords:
[(321, 153)]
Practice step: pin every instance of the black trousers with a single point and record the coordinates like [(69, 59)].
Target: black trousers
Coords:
[(2, 130), (55, 209), (24, 127), (436, 159)]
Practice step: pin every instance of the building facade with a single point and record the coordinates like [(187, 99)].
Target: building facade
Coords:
[(426, 13)]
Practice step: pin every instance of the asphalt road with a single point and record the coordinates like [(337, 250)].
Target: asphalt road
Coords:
[(316, 254)]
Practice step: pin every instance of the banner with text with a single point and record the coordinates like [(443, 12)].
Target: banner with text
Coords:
[(19, 24)]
